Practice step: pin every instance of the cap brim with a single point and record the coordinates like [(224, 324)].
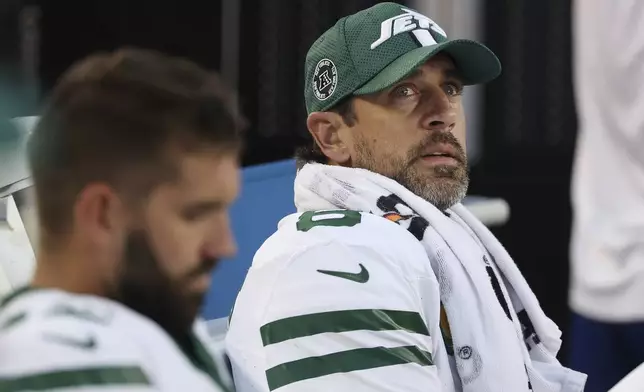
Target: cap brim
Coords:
[(475, 62)]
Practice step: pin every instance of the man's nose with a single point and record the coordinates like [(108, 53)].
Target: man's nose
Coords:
[(222, 242), (439, 111)]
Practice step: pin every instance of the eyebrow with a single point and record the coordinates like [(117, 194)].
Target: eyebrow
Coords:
[(202, 207)]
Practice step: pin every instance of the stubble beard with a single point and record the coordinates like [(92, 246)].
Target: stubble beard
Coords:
[(441, 185)]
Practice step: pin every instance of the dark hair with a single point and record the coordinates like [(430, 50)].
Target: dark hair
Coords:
[(311, 152), (118, 118)]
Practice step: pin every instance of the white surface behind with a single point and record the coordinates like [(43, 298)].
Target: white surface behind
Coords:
[(17, 259), (633, 382)]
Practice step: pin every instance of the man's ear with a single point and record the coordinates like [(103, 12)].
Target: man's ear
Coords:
[(325, 128), (99, 213)]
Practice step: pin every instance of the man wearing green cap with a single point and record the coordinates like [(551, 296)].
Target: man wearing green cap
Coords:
[(383, 281)]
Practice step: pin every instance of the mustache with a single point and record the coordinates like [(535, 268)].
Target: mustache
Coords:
[(206, 266), (439, 138)]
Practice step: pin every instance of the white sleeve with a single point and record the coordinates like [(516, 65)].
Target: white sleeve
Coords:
[(71, 356), (345, 318)]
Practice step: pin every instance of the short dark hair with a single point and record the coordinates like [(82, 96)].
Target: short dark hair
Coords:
[(311, 152), (115, 118)]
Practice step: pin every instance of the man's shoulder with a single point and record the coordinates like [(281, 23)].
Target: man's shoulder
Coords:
[(44, 333), (44, 307), (335, 221), (345, 241), (53, 322), (304, 231)]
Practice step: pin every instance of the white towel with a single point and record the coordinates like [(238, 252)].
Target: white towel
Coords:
[(511, 344)]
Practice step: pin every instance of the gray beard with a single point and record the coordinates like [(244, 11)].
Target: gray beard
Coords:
[(444, 187), (447, 188)]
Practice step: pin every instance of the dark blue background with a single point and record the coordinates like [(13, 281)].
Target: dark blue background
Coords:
[(266, 197)]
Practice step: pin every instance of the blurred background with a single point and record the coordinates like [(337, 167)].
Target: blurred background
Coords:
[(522, 127)]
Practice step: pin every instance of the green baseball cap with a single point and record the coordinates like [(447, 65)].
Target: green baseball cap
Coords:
[(375, 48)]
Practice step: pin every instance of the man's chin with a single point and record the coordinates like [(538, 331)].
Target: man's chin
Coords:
[(442, 191), (175, 313)]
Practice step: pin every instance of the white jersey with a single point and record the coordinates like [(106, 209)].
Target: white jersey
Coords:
[(608, 180), (348, 301), (53, 340), (311, 315)]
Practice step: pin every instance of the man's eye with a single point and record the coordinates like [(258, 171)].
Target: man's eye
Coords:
[(403, 91), (453, 89), (194, 216), (201, 211)]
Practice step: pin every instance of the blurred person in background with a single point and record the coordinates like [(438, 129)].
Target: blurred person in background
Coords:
[(135, 163), (607, 251), (383, 281)]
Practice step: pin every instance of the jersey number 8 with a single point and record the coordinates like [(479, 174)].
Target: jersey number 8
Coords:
[(337, 218)]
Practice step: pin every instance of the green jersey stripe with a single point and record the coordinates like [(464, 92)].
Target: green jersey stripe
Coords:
[(13, 321), (75, 378), (15, 294), (343, 362), (342, 321)]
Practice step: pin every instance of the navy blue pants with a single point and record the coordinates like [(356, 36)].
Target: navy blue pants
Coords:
[(606, 352)]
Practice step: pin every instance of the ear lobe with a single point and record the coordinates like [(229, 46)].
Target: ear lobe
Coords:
[(325, 128)]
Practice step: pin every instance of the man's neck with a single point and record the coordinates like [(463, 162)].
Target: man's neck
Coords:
[(63, 271)]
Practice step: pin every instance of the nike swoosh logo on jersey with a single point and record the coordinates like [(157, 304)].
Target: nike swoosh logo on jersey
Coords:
[(360, 277), (87, 343)]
